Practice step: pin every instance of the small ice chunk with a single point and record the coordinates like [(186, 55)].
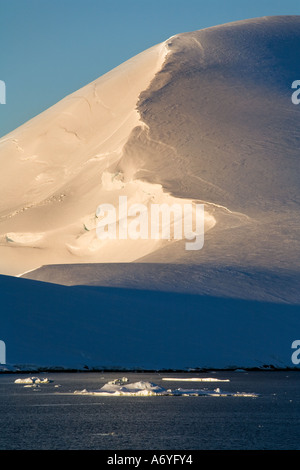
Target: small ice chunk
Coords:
[(33, 380), (121, 381), (28, 380)]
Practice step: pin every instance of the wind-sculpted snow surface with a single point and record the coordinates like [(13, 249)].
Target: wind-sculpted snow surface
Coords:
[(221, 108), (58, 167), (214, 124), (205, 116)]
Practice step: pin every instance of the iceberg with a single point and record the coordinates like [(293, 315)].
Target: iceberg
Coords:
[(32, 381), (119, 388)]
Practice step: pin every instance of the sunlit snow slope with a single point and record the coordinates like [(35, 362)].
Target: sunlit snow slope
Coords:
[(60, 166), (205, 116), (216, 125)]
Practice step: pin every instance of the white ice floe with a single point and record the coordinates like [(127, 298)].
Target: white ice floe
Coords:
[(195, 379), (212, 393), (119, 388), (32, 381)]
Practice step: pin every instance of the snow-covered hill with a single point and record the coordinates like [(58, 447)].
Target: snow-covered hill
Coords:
[(204, 117)]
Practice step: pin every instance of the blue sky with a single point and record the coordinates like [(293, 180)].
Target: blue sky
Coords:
[(50, 48)]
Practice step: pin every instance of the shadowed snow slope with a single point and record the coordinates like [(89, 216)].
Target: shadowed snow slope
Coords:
[(206, 117), (230, 281), (47, 325)]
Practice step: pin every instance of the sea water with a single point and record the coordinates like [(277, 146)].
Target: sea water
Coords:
[(51, 416)]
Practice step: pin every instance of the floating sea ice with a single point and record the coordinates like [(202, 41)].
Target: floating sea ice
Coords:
[(119, 389), (211, 393), (33, 380), (114, 388), (195, 379)]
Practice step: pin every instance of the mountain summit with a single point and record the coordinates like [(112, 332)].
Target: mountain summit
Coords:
[(203, 117)]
